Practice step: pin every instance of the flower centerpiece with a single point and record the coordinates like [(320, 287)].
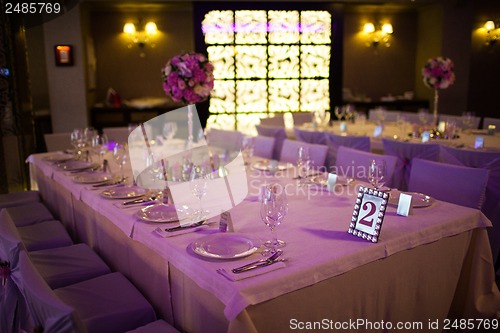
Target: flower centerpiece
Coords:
[(188, 78), (438, 74)]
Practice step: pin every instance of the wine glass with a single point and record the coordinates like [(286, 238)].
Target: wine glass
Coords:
[(467, 120), (377, 173), (120, 155), (339, 112), (155, 177), (423, 115), (198, 183), (77, 141), (169, 130), (274, 207), (99, 144), (303, 164), (247, 149)]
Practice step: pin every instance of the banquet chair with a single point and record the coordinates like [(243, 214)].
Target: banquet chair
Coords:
[(44, 235), (19, 198), (491, 121), (29, 213), (334, 141), (414, 118), (459, 121), (317, 153), (377, 115), (279, 135), (117, 134), (263, 146), (354, 163), (491, 208), (60, 266), (108, 303), (225, 139), (406, 152), (57, 141), (309, 136), (278, 120), (464, 186), (300, 118)]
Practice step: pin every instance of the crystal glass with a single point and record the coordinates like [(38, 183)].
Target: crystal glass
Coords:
[(169, 130), (120, 154), (247, 149), (99, 145), (198, 183), (303, 164), (377, 173), (274, 207), (339, 112), (155, 178), (78, 141), (423, 116), (467, 120)]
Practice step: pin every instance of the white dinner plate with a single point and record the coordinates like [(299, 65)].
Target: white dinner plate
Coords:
[(159, 213), (419, 200), (58, 158), (264, 165), (92, 178), (228, 245), (323, 180), (124, 192), (75, 165)]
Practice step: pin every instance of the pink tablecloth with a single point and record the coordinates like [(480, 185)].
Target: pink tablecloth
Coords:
[(319, 252)]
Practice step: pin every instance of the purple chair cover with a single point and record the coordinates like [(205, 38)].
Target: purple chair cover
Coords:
[(459, 121), (47, 310), (335, 141), (18, 198), (44, 235), (108, 304), (225, 139), (263, 146), (29, 213), (406, 152), (279, 135), (300, 118), (456, 184), (317, 153), (309, 136), (159, 326), (278, 120), (354, 163), (491, 207)]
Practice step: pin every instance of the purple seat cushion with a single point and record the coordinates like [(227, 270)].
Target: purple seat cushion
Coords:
[(44, 235)]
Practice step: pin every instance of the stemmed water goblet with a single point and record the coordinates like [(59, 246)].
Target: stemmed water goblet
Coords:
[(303, 164), (77, 141), (274, 207), (377, 173), (169, 130), (198, 183), (247, 149), (99, 144), (423, 115), (339, 112), (120, 155)]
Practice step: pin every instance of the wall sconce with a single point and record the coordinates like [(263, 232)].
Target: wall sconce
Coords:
[(492, 32), (378, 35), (142, 37)]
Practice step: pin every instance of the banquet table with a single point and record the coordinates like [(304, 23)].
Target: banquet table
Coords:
[(400, 131), (429, 268)]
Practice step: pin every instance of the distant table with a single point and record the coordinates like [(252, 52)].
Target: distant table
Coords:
[(434, 264)]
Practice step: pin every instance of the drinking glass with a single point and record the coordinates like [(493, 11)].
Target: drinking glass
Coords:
[(377, 173), (78, 141), (467, 120), (303, 164), (120, 155), (155, 178), (247, 149), (198, 183), (423, 115), (169, 130), (339, 112), (100, 145), (274, 207)]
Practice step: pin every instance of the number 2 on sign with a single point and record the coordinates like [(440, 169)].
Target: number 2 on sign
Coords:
[(371, 211)]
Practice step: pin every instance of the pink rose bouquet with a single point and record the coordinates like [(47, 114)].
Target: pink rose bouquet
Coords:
[(438, 73), (188, 78)]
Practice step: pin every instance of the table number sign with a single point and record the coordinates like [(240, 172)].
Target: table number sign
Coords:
[(369, 212), (404, 204), (378, 131), (273, 165), (479, 143), (331, 181), (226, 223), (426, 136)]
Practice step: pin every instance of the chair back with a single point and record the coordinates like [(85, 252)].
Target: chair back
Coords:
[(459, 121), (263, 146), (491, 121), (456, 184), (225, 139), (278, 120), (309, 136), (300, 118), (377, 115), (334, 141), (354, 163), (47, 311), (406, 152), (317, 153), (117, 134), (57, 141), (278, 133)]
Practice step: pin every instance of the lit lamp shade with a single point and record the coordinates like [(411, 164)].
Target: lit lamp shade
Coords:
[(129, 28), (151, 28), (369, 28), (489, 25)]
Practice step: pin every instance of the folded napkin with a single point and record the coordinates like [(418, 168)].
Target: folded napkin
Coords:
[(228, 274)]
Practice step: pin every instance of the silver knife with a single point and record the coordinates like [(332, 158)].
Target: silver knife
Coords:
[(259, 263), (182, 227)]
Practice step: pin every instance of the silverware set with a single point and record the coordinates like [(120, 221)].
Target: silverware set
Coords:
[(276, 257)]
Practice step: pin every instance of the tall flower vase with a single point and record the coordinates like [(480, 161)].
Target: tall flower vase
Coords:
[(436, 102), (191, 109)]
